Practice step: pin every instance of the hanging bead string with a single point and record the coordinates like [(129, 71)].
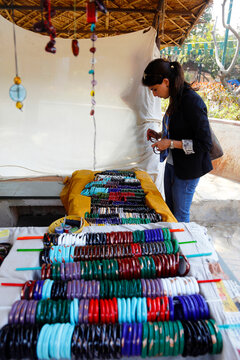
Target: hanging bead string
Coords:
[(93, 83), (75, 45), (15, 44)]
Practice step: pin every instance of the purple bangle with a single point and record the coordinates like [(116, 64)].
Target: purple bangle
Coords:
[(80, 311), (144, 287), (33, 312), (74, 267), (124, 339), (81, 288), (89, 289), (139, 340), (12, 312), (93, 289), (78, 289), (17, 312), (71, 271), (196, 306), (36, 288), (67, 271), (157, 287), (78, 270), (62, 271), (161, 287), (73, 289), (134, 340), (23, 312), (29, 309), (97, 289), (153, 288), (129, 339), (161, 235), (146, 235), (85, 290), (85, 311), (69, 288), (171, 308), (148, 288)]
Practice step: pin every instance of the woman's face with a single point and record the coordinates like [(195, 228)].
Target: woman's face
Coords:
[(161, 90)]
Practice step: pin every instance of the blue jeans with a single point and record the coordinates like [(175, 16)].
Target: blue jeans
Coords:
[(179, 193)]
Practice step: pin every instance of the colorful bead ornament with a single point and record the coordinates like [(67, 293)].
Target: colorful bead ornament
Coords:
[(75, 45), (49, 27), (17, 92)]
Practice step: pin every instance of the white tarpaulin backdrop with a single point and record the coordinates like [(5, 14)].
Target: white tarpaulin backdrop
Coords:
[(54, 134)]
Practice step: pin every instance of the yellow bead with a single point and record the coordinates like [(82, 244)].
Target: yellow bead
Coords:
[(17, 80), (19, 105), (92, 93)]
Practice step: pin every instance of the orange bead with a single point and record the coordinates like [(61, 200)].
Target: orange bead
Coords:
[(19, 105), (92, 93), (17, 80)]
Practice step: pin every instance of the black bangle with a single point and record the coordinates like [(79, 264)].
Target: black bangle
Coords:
[(97, 341)]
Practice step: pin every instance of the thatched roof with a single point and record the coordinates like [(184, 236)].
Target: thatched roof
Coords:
[(173, 19)]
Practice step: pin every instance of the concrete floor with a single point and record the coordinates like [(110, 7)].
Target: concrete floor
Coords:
[(216, 205)]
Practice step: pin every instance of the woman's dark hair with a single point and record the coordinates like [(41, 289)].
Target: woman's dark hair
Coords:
[(160, 69)]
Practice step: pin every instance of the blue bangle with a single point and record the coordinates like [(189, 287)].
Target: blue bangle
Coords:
[(124, 310), (46, 342), (40, 341), (49, 289), (161, 235), (124, 339), (119, 301), (59, 254), (57, 341), (144, 310), (128, 311), (139, 340), (67, 254), (129, 339), (51, 343), (180, 310), (171, 308), (63, 253), (44, 288), (200, 307), (68, 341), (151, 235), (72, 249), (72, 318), (139, 310), (205, 306), (134, 340), (51, 254), (133, 309), (146, 235), (62, 341), (75, 310), (196, 306), (191, 307)]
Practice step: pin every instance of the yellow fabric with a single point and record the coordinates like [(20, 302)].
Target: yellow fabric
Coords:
[(77, 204), (154, 199)]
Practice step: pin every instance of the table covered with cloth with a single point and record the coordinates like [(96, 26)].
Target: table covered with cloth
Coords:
[(199, 269), (77, 204)]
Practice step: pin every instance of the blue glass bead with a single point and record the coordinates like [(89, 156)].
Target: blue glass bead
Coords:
[(17, 92), (91, 72)]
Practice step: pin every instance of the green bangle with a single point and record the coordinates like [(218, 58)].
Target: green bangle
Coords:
[(55, 314), (176, 339), (219, 336), (110, 289), (175, 245), (148, 267), (150, 339), (167, 343), (62, 314), (54, 272), (133, 287), (170, 247), (152, 268), (168, 234), (48, 317), (115, 288), (90, 270), (119, 288), (181, 336), (126, 288), (144, 340), (58, 271), (86, 270), (213, 337), (38, 311), (105, 289), (112, 269), (99, 270), (166, 242), (140, 259), (82, 270), (116, 275), (108, 269), (139, 288), (94, 269), (161, 338), (156, 339), (104, 269), (171, 338), (67, 311), (130, 289)]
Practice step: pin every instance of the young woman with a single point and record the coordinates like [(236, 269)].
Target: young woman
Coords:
[(185, 139)]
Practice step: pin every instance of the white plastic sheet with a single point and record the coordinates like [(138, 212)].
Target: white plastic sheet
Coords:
[(54, 133)]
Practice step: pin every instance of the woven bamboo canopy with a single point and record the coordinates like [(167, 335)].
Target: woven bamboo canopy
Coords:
[(173, 19)]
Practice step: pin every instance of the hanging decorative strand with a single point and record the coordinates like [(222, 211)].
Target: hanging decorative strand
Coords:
[(75, 45), (17, 92)]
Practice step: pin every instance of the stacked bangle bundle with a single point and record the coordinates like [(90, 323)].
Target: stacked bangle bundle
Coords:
[(102, 238), (4, 250), (108, 289), (118, 190), (109, 311), (110, 341)]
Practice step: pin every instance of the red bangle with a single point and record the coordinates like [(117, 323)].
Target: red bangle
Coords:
[(163, 261), (115, 306), (177, 262), (134, 268), (48, 271), (102, 311), (108, 238), (112, 312), (138, 269), (43, 272), (153, 310), (120, 270), (96, 311), (158, 307), (90, 311), (162, 309), (167, 311), (173, 273), (130, 237), (107, 311), (170, 264), (149, 307), (127, 267), (166, 265)]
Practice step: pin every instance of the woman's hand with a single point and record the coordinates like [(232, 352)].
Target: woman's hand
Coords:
[(162, 144), (152, 134)]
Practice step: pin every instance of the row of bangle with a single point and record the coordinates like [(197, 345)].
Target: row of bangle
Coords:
[(112, 269), (109, 311), (119, 210), (124, 221), (102, 238), (107, 289), (67, 341)]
